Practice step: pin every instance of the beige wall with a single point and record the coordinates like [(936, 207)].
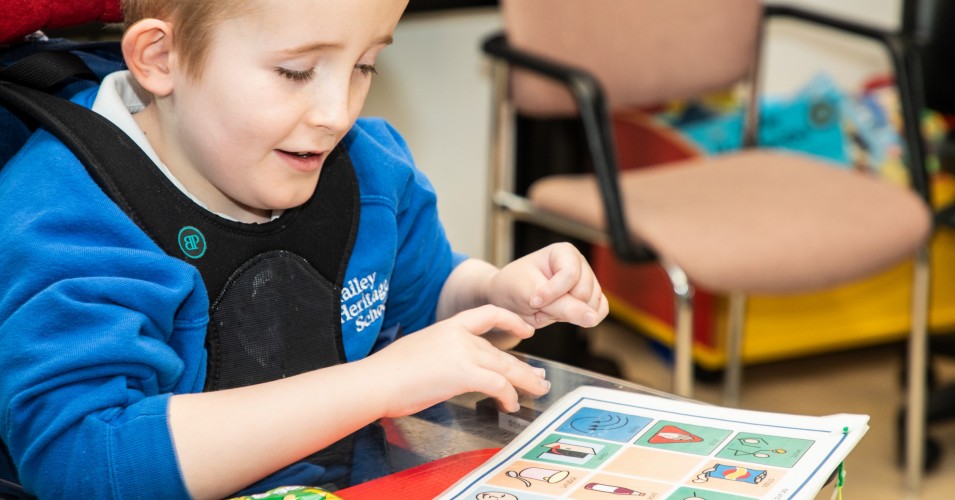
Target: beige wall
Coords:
[(434, 86)]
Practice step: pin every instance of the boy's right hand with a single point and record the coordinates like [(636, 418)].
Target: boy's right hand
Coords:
[(450, 358)]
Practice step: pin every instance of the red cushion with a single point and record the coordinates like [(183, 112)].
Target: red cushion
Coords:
[(32, 15)]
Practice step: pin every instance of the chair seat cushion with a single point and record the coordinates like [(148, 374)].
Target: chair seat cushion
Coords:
[(758, 221)]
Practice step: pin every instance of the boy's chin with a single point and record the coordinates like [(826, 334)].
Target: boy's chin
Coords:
[(288, 203)]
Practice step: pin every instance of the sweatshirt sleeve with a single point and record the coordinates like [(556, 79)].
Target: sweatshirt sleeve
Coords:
[(97, 330)]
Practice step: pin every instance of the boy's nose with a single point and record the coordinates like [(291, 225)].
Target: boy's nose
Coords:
[(331, 108)]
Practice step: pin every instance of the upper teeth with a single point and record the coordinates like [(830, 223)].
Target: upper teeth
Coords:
[(303, 155)]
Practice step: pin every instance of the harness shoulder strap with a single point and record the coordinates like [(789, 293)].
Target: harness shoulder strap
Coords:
[(92, 138), (46, 69)]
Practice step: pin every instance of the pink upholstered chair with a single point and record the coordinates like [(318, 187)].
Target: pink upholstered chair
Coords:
[(755, 221)]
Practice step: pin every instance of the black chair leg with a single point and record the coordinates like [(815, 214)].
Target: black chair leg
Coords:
[(939, 407), (932, 448)]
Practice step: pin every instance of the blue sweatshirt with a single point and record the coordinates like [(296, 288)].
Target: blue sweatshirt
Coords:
[(98, 327)]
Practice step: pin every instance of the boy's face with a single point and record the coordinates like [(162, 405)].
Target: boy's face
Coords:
[(280, 88)]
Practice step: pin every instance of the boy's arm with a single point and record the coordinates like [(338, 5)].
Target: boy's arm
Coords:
[(227, 439)]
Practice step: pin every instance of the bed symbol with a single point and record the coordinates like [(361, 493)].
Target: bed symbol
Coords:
[(732, 473), (565, 449)]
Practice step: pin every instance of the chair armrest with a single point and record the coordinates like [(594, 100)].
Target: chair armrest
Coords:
[(579, 81), (589, 96), (903, 51), (830, 21)]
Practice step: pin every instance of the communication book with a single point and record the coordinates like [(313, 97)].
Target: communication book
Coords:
[(599, 444)]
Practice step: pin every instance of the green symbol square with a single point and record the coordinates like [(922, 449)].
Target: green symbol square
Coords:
[(765, 449), (572, 450)]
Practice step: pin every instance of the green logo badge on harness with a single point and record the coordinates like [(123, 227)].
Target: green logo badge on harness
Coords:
[(192, 242)]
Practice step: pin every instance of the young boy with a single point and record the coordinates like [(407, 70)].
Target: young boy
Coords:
[(134, 367)]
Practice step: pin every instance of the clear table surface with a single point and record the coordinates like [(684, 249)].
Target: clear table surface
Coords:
[(472, 421)]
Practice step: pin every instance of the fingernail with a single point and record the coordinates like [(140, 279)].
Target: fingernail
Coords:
[(540, 371), (591, 318), (545, 384), (537, 301)]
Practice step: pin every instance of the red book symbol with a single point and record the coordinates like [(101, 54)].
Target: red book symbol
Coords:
[(672, 434)]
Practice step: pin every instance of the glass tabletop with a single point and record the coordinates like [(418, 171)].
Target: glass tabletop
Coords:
[(472, 421)]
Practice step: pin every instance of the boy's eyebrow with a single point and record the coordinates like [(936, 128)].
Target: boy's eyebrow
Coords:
[(312, 47)]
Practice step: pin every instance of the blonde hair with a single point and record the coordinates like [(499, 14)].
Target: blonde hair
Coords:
[(193, 23)]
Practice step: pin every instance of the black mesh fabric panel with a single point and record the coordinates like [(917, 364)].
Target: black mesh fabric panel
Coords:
[(259, 329)]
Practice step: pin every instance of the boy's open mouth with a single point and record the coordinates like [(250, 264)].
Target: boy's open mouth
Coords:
[(304, 161), (297, 154)]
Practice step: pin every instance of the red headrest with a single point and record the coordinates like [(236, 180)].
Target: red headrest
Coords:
[(26, 16)]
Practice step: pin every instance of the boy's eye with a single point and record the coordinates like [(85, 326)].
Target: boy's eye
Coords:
[(367, 69), (295, 75)]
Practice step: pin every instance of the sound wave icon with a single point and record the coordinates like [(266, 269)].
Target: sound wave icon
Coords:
[(606, 422)]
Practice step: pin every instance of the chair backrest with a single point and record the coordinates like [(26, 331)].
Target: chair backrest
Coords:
[(644, 52)]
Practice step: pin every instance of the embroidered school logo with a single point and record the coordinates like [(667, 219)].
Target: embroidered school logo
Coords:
[(363, 300), (192, 242)]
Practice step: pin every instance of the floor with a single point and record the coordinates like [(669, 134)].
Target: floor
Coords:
[(863, 381)]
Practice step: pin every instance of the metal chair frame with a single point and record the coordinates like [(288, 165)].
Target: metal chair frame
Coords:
[(506, 207)]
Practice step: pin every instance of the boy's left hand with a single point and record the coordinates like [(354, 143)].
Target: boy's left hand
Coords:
[(552, 284)]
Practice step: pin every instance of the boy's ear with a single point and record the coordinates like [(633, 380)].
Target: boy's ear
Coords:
[(147, 48)]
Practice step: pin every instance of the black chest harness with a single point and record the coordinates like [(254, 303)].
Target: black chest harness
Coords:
[(274, 288)]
